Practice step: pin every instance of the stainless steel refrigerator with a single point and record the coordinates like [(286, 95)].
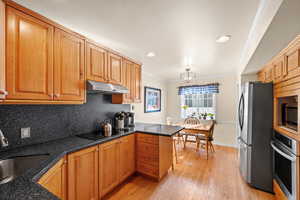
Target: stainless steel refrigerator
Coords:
[(255, 118)]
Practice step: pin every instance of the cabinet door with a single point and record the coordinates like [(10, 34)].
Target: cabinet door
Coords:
[(127, 72), (115, 68), (29, 57), (69, 78), (278, 69), (2, 51), (127, 156), (55, 180), (137, 83), (109, 166), (96, 63), (292, 62), (83, 174)]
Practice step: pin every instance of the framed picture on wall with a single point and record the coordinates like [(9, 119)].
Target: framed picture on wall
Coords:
[(152, 100)]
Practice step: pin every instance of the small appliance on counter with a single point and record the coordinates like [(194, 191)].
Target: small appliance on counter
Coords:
[(129, 120), (119, 121), (106, 128)]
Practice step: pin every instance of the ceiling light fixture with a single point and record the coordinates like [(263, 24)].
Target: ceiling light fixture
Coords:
[(150, 54), (223, 38), (188, 76)]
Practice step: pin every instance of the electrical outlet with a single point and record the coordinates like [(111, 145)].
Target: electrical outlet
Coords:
[(25, 132)]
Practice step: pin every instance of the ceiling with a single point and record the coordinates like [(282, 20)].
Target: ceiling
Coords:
[(173, 29), (283, 29)]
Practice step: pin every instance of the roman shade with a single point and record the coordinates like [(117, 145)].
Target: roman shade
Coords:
[(199, 89)]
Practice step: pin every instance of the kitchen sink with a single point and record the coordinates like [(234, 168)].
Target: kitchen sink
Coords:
[(13, 167)]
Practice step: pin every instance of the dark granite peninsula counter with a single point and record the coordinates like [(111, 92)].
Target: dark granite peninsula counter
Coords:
[(26, 186)]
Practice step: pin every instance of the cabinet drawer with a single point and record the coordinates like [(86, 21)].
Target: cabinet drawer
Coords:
[(146, 138), (147, 169), (149, 159), (147, 149)]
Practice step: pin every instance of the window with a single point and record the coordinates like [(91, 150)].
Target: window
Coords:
[(198, 105)]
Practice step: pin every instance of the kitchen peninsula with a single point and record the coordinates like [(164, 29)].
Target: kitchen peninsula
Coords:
[(78, 167)]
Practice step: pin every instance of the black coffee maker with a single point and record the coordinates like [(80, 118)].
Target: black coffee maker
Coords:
[(129, 120)]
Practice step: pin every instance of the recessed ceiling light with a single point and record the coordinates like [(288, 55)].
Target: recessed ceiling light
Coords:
[(150, 54), (223, 38)]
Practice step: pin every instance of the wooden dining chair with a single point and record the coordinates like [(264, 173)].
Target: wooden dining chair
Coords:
[(208, 139), (190, 121)]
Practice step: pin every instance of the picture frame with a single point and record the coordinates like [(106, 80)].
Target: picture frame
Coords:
[(152, 100)]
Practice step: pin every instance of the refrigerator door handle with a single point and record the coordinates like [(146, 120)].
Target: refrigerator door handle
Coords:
[(289, 157), (241, 115)]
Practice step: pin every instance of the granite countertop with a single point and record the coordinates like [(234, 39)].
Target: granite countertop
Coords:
[(26, 186)]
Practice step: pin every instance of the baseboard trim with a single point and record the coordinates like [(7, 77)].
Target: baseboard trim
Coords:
[(225, 145)]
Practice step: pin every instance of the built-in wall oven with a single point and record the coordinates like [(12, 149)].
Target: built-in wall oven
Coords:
[(286, 164)]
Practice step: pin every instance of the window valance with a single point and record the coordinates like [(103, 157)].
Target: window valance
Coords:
[(199, 89)]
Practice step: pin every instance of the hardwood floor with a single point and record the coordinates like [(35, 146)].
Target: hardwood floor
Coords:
[(194, 178)]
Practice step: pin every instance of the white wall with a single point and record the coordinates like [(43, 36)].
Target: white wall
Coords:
[(225, 130), (155, 117)]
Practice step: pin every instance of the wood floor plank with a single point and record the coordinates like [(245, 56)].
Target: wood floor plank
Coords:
[(194, 178)]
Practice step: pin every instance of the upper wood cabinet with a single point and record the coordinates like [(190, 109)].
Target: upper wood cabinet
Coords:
[(96, 63), (42, 62), (137, 83), (29, 57), (109, 166), (2, 51), (83, 175), (114, 68), (55, 180), (278, 69), (69, 76), (132, 81), (127, 156)]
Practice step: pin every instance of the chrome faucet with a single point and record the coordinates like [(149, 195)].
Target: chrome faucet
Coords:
[(3, 140)]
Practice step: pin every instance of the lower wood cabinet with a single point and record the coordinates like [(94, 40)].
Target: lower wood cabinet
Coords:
[(83, 169), (117, 162), (91, 173), (154, 155), (55, 180), (109, 166), (127, 157)]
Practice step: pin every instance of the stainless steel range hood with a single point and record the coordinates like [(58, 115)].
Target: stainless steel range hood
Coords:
[(105, 88)]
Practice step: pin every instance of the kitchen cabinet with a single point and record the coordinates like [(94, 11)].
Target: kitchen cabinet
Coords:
[(137, 83), (96, 63), (154, 155), (131, 80), (127, 82), (278, 69), (55, 179), (29, 57), (127, 156), (292, 62), (114, 68), (109, 166), (69, 76), (42, 62), (2, 51), (83, 167)]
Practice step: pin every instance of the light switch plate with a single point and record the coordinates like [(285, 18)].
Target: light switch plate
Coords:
[(25, 132)]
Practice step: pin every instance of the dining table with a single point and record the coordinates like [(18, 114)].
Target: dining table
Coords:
[(203, 128)]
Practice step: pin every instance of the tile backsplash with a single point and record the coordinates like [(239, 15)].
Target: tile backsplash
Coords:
[(50, 122)]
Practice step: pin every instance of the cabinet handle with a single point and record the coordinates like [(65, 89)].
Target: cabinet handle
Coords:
[(50, 95), (3, 92), (81, 75), (56, 95)]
